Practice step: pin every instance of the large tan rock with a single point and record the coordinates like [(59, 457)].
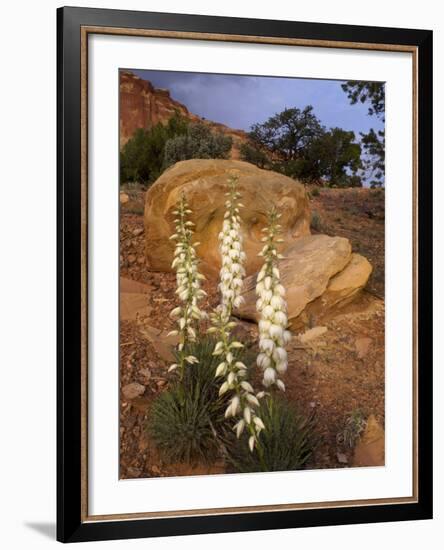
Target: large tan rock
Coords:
[(346, 284), (341, 290), (309, 264), (204, 183)]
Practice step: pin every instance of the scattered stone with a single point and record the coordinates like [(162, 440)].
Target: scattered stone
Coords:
[(124, 198), (370, 451), (145, 375), (204, 183), (155, 469), (131, 258), (362, 346), (128, 285), (162, 343), (133, 390), (133, 305), (133, 471), (141, 260), (311, 334), (138, 231), (161, 383), (342, 458)]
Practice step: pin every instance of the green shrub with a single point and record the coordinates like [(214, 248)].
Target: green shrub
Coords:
[(187, 421), (315, 192), (316, 222), (181, 427), (141, 159), (255, 155), (198, 142), (286, 443)]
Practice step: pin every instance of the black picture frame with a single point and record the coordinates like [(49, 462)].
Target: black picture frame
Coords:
[(71, 525)]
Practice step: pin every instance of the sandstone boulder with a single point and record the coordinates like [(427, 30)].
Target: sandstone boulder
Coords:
[(204, 183), (343, 286), (309, 264), (341, 290)]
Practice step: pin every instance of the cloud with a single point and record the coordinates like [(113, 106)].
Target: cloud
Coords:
[(240, 101)]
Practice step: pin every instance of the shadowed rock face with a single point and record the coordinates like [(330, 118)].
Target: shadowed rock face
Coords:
[(319, 272), (204, 183), (143, 106), (309, 264)]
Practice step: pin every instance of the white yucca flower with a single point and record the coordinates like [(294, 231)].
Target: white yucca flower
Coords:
[(271, 304), (243, 401), (232, 271), (188, 280)]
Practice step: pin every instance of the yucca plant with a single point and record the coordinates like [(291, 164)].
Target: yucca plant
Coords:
[(187, 421), (243, 400), (287, 441), (181, 428)]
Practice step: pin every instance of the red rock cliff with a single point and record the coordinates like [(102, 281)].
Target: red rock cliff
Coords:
[(143, 106)]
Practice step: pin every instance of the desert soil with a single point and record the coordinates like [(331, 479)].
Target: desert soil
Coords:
[(334, 375)]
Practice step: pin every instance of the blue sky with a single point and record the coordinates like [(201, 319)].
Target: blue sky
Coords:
[(240, 101)]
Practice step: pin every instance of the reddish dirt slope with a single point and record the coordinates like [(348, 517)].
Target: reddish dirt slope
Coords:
[(335, 375)]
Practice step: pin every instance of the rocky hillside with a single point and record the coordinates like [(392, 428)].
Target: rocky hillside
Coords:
[(336, 363), (143, 106)]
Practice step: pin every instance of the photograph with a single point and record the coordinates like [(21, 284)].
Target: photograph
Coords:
[(244, 274), (252, 273)]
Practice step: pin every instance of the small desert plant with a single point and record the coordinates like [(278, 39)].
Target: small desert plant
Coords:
[(316, 222), (181, 428), (287, 441), (354, 425), (315, 192), (187, 421)]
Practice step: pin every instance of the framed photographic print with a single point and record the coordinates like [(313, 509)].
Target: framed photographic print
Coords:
[(244, 274)]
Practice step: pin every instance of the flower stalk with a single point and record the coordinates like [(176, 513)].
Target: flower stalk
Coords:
[(189, 290), (243, 402), (232, 271), (272, 306)]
